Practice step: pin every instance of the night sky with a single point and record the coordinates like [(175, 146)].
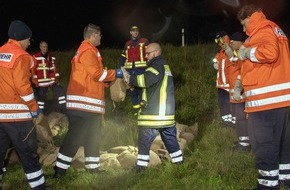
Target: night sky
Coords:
[(61, 23)]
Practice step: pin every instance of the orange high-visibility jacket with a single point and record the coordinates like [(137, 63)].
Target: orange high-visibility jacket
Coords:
[(234, 74), (16, 94), (86, 88), (222, 80), (265, 76)]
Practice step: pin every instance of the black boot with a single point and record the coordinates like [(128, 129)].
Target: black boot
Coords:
[(139, 169), (58, 172)]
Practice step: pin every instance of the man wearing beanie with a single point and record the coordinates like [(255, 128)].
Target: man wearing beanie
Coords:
[(18, 107)]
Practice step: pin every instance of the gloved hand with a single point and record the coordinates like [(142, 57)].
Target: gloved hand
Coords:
[(229, 51), (244, 53), (36, 113), (215, 66), (119, 73), (238, 90), (215, 63), (126, 75)]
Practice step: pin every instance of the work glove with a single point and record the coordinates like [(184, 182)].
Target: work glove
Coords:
[(215, 63), (215, 66), (126, 75), (228, 50), (119, 73), (244, 53), (36, 113), (238, 90)]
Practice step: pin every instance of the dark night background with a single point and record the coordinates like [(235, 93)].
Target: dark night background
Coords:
[(61, 23)]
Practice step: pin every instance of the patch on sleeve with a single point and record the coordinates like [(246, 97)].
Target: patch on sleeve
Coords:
[(6, 60), (6, 57), (279, 32)]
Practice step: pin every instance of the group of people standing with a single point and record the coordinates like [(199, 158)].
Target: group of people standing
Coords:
[(253, 80), (142, 68), (254, 77)]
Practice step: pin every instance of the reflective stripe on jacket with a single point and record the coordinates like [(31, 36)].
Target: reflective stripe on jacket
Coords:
[(135, 54), (158, 95), (16, 93), (265, 76), (85, 90), (45, 72), (223, 70)]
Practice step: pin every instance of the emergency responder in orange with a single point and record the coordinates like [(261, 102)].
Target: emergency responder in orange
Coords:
[(85, 103), (266, 82), (222, 82), (17, 104), (134, 61), (158, 107), (237, 98), (45, 76)]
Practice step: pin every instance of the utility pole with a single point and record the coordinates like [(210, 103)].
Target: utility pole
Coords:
[(182, 37)]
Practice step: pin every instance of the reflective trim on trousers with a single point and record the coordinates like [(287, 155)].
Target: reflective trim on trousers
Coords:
[(268, 183), (284, 176), (227, 117), (244, 138), (284, 166), (62, 102), (92, 162), (142, 163), (32, 178), (92, 166), (62, 165), (92, 159), (244, 144), (63, 157), (143, 160), (268, 174), (177, 159), (271, 173), (34, 174), (175, 154), (37, 183), (143, 157), (284, 172)]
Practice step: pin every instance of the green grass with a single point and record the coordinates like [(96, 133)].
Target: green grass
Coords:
[(210, 164)]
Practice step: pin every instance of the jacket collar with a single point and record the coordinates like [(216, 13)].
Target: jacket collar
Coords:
[(256, 21)]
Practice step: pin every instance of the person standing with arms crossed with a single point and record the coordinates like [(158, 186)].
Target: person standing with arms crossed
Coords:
[(134, 61), (85, 103), (45, 76), (266, 82), (18, 106), (157, 113)]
